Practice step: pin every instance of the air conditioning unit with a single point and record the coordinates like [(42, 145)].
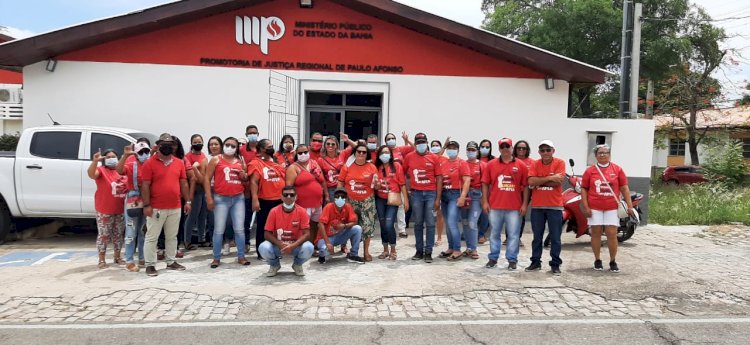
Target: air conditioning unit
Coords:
[(8, 95)]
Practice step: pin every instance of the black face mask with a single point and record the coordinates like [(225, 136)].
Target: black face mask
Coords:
[(166, 149), (197, 147), (270, 151)]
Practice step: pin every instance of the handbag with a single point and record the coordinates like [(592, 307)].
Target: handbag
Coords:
[(622, 208), (394, 198), (134, 200)]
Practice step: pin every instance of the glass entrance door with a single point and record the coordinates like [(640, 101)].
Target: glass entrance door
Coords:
[(327, 122), (359, 124)]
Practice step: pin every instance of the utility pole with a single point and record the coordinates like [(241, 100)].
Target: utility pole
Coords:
[(627, 33), (635, 60), (650, 100)]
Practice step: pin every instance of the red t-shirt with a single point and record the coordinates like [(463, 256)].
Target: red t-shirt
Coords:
[(284, 159), (506, 183), (308, 185), (331, 168), (454, 172), (475, 171), (600, 195), (358, 180), (227, 177), (422, 170), (347, 152), (332, 216), (544, 196), (528, 161), (192, 158), (165, 182), (390, 179), (128, 172), (271, 178), (248, 156), (110, 191), (400, 152), (291, 224)]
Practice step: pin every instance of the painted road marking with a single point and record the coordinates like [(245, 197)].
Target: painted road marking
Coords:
[(380, 323), (31, 258)]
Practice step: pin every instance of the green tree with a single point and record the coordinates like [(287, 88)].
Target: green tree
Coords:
[(590, 31)]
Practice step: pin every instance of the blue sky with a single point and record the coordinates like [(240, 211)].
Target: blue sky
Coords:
[(24, 18)]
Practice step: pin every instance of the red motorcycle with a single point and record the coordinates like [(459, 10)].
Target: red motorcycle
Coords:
[(578, 223)]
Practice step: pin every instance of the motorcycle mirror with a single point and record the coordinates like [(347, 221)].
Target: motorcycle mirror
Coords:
[(572, 163)]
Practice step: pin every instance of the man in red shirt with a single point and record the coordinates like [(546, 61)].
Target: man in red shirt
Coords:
[(338, 225), (546, 178), (423, 169), (287, 232), (505, 198), (164, 180)]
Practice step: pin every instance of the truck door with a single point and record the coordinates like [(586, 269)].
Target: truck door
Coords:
[(48, 179)]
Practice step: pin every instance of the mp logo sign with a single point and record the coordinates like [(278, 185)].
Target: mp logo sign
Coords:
[(258, 31)]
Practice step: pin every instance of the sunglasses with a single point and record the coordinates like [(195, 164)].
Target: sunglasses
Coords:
[(330, 144), (317, 140), (360, 152), (485, 147), (602, 153), (230, 145), (522, 148), (505, 146), (545, 150), (303, 153), (288, 195)]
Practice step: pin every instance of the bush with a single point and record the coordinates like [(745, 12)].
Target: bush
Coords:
[(726, 163), (699, 204), (8, 142)]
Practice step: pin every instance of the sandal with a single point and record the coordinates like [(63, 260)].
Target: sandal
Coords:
[(243, 262), (454, 257), (393, 255), (368, 257), (205, 244), (215, 263), (384, 255), (446, 254), (102, 265), (474, 255), (191, 246)]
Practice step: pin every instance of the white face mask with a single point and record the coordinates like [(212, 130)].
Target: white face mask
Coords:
[(288, 206), (229, 151), (303, 157), (391, 142), (110, 162), (435, 149)]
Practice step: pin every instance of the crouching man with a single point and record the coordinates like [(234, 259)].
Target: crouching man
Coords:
[(338, 224), (287, 232)]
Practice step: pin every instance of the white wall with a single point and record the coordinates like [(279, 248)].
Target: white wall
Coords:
[(659, 158), (222, 101), (11, 126)]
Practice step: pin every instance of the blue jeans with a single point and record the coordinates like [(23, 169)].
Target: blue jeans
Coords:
[(554, 220), (134, 235), (387, 217), (272, 253), (226, 206), (196, 220), (471, 215), (450, 213), (422, 205), (512, 221), (484, 224), (354, 234)]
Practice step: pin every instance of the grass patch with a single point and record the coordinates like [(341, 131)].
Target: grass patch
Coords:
[(699, 204)]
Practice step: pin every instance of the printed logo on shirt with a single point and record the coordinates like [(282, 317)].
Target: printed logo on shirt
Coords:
[(332, 176), (420, 176), (505, 183), (603, 188), (232, 176), (270, 175), (357, 187)]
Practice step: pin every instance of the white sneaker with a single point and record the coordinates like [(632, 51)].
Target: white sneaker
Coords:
[(225, 249), (273, 270), (298, 270)]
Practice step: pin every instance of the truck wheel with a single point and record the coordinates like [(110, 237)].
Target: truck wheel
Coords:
[(4, 222)]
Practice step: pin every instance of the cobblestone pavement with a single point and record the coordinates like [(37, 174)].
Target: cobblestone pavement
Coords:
[(667, 272)]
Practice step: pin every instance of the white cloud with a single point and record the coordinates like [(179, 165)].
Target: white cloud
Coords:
[(16, 32)]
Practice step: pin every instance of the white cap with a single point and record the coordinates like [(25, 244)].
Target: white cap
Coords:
[(140, 146), (548, 143)]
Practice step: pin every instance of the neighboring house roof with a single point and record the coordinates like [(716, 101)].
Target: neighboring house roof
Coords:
[(5, 38), (727, 118), (9, 75), (27, 51)]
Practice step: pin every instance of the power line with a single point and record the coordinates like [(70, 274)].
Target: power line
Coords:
[(702, 20)]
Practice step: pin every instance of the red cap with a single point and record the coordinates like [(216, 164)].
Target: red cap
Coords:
[(505, 141)]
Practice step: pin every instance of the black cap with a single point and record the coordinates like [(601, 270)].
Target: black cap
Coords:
[(472, 145), (453, 143), (340, 191)]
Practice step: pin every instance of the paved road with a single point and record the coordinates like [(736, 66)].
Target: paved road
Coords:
[(597, 331)]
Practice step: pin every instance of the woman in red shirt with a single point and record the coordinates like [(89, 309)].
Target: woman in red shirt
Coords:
[(307, 178), (392, 180), (195, 222), (109, 201), (228, 172), (359, 179), (485, 155), (331, 164), (456, 183), (437, 149), (521, 151), (602, 186), (285, 155), (472, 213), (267, 179)]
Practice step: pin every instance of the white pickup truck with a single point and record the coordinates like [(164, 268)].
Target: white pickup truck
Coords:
[(46, 176)]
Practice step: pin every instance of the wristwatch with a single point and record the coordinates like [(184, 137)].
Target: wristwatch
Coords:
[(188, 202)]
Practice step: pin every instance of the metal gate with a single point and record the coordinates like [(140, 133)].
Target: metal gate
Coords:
[(283, 107)]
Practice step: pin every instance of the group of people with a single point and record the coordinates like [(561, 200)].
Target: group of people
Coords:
[(308, 199)]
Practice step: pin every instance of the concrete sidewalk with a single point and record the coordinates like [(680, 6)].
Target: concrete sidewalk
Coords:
[(666, 272)]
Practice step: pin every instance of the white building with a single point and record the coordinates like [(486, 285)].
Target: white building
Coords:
[(11, 98), (358, 66)]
